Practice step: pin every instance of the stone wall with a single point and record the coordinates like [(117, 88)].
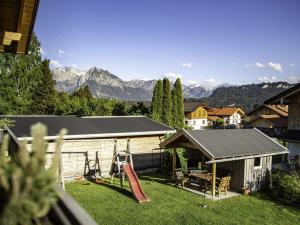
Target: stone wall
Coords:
[(145, 151)]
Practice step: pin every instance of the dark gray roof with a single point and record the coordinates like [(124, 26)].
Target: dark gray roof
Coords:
[(228, 143), (88, 125)]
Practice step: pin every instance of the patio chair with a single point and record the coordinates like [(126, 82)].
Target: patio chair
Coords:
[(223, 185), (180, 178)]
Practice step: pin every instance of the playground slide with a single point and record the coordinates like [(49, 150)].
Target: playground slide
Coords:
[(135, 185)]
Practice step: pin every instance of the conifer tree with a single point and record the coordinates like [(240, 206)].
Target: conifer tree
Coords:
[(156, 105), (174, 110), (166, 102), (43, 99), (179, 124)]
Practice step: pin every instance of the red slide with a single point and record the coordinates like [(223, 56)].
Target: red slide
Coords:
[(135, 185)]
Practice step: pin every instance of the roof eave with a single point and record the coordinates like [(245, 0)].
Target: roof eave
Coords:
[(108, 135)]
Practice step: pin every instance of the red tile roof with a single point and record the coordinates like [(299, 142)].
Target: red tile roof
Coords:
[(224, 111)]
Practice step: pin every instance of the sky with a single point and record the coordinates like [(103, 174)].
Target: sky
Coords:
[(202, 41)]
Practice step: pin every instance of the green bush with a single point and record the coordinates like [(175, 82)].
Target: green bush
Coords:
[(286, 187)]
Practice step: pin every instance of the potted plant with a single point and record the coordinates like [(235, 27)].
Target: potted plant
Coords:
[(246, 190)]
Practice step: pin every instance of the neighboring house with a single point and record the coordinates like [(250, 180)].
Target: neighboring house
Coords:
[(290, 97), (243, 154), (230, 115), (195, 115), (271, 119), (89, 137)]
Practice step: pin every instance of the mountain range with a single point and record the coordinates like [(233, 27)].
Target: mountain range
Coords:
[(104, 84)]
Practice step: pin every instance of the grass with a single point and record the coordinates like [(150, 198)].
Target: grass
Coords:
[(108, 204)]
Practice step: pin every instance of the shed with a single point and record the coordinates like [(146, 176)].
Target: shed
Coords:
[(245, 153), (94, 138)]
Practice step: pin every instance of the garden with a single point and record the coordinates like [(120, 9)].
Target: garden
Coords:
[(109, 204)]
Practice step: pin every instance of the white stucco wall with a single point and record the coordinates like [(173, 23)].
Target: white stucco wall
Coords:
[(196, 123), (235, 119)]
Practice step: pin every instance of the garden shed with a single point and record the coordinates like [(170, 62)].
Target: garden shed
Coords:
[(244, 154), (88, 147)]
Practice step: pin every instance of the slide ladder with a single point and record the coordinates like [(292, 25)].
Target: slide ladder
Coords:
[(122, 165)]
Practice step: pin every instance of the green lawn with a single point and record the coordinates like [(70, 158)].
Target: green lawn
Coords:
[(169, 205)]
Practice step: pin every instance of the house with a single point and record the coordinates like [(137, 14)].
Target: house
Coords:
[(230, 115), (195, 115), (17, 19), (243, 154), (93, 139), (271, 119), (290, 97)]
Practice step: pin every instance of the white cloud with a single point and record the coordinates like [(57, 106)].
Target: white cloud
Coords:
[(234, 64), (55, 63), (172, 76), (42, 51), (267, 79), (187, 64), (74, 66), (275, 66), (291, 64), (260, 65), (270, 65), (293, 79), (61, 53)]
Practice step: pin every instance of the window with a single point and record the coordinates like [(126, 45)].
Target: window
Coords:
[(194, 122), (257, 163), (203, 121)]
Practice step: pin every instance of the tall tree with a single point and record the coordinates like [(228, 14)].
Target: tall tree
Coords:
[(45, 94), (174, 109), (156, 105), (179, 110), (19, 77), (166, 102), (83, 93)]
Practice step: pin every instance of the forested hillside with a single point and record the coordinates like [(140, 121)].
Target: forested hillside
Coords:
[(245, 96)]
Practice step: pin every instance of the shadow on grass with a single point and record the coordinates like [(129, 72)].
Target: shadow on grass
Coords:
[(116, 188), (264, 195), (157, 178)]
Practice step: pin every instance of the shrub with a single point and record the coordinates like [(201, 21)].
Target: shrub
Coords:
[(26, 187), (286, 187)]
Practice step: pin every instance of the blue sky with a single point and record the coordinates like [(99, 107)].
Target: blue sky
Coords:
[(202, 41)]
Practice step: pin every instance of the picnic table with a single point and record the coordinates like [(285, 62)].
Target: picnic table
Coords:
[(205, 179), (203, 176)]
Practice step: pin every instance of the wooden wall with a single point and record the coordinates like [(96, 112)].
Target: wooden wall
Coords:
[(237, 173), (244, 173), (255, 178), (73, 157)]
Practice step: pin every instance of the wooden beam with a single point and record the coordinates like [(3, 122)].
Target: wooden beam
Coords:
[(213, 192), (186, 145), (173, 163), (14, 36)]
